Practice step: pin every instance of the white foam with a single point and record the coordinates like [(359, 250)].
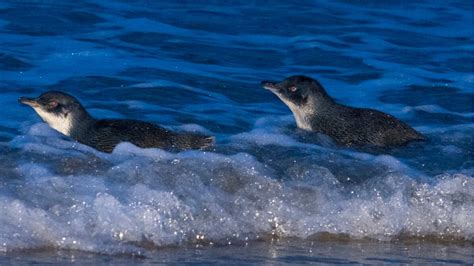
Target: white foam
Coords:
[(152, 196)]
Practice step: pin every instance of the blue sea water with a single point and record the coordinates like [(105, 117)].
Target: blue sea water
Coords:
[(268, 192)]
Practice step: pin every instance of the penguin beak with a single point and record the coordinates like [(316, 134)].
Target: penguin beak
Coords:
[(28, 101), (269, 85)]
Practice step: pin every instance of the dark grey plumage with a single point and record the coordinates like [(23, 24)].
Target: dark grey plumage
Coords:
[(65, 114), (316, 111)]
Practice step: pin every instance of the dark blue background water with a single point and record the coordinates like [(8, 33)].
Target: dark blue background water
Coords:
[(197, 66)]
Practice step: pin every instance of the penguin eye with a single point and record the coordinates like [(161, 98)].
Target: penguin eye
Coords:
[(293, 88), (52, 104)]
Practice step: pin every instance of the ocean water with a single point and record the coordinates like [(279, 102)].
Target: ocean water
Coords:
[(267, 192)]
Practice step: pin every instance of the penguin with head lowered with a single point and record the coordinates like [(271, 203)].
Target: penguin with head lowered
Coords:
[(65, 114), (314, 110)]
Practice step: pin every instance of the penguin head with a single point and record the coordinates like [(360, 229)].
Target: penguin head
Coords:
[(298, 91), (59, 110)]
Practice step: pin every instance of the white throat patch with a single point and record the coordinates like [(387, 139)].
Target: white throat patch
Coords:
[(58, 122), (298, 113)]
